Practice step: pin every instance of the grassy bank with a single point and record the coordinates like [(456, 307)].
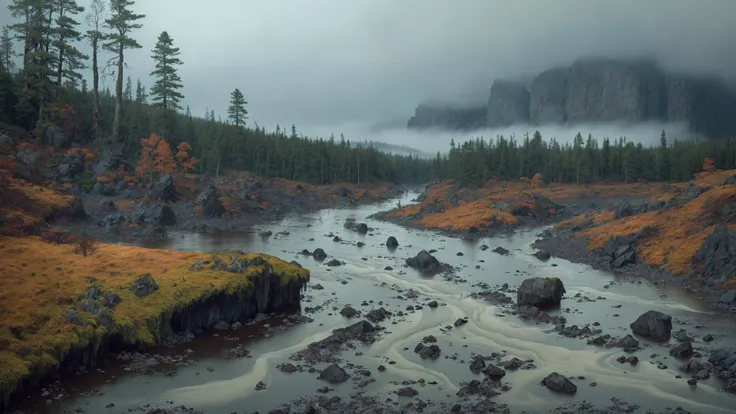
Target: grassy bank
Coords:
[(42, 281)]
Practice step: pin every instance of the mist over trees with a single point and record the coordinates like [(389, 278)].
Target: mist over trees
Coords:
[(48, 89)]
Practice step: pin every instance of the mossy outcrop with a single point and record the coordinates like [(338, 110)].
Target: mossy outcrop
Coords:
[(55, 314)]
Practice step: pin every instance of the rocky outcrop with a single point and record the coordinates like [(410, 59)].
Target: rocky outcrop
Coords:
[(717, 255), (559, 383), (724, 365), (447, 117), (598, 90), (540, 292), (209, 200), (426, 262), (164, 188), (610, 90), (508, 104)]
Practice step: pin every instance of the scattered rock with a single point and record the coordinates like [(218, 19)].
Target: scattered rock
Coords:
[(477, 365), (407, 392), (628, 343), (501, 251), (542, 255), (540, 292), (653, 324), (682, 350), (144, 285), (110, 300), (392, 242), (334, 374), (424, 261), (493, 372), (377, 315), (349, 312), (559, 383), (429, 352), (287, 368), (433, 304), (319, 254), (334, 263)]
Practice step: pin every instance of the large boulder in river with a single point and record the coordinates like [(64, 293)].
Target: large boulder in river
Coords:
[(717, 254), (559, 383), (392, 242), (424, 261), (319, 254), (653, 324), (210, 202), (334, 374), (540, 292), (164, 188)]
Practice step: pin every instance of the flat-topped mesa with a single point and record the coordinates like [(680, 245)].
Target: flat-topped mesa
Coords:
[(137, 298)]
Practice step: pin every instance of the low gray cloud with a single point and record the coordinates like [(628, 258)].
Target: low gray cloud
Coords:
[(324, 62)]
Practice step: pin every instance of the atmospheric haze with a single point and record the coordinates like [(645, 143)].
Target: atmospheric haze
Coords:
[(325, 64)]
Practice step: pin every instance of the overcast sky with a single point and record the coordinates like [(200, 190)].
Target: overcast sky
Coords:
[(324, 62)]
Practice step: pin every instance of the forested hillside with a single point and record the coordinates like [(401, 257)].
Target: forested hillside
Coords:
[(44, 95), (48, 90), (583, 161)]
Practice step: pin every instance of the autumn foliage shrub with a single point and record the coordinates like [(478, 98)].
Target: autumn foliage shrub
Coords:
[(157, 158), (86, 245)]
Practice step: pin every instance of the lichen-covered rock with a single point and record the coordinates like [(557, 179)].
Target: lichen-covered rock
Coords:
[(144, 285), (110, 300), (653, 324), (540, 292)]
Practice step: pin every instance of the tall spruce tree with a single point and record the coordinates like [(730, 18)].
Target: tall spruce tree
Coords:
[(236, 111), (165, 91), (69, 60), (35, 32), (7, 53), (95, 19), (121, 23)]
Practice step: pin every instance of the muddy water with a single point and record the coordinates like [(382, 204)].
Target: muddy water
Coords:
[(218, 385)]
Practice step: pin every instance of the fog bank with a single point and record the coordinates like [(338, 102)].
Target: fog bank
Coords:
[(431, 141)]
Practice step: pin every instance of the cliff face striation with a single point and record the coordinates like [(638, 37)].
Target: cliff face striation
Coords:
[(447, 117), (597, 91), (60, 311)]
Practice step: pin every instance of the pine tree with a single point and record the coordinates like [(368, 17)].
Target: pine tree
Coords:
[(236, 112), (7, 54), (34, 31), (69, 60), (165, 90), (128, 91), (141, 97), (121, 23), (95, 19)]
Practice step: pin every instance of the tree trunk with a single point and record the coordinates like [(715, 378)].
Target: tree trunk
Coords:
[(118, 96), (95, 90)]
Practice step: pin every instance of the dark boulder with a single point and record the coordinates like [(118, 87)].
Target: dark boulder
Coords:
[(164, 189), (407, 392), (540, 292), (477, 365), (334, 374), (319, 254), (27, 156), (210, 201), (501, 251), (156, 214), (349, 312), (493, 372), (144, 285), (430, 352), (717, 254), (377, 315), (628, 343), (682, 350), (724, 362), (559, 383), (542, 255), (653, 324), (392, 242), (423, 261), (110, 300), (361, 228), (334, 263)]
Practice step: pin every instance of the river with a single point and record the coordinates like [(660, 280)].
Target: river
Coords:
[(218, 385)]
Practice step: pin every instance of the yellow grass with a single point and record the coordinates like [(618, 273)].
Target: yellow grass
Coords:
[(40, 282)]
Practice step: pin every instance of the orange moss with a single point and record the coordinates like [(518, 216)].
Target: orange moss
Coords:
[(41, 281), (680, 231)]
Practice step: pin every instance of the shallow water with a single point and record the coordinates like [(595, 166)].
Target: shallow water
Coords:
[(219, 385)]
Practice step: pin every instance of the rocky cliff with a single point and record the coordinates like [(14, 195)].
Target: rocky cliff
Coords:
[(443, 116), (598, 90)]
